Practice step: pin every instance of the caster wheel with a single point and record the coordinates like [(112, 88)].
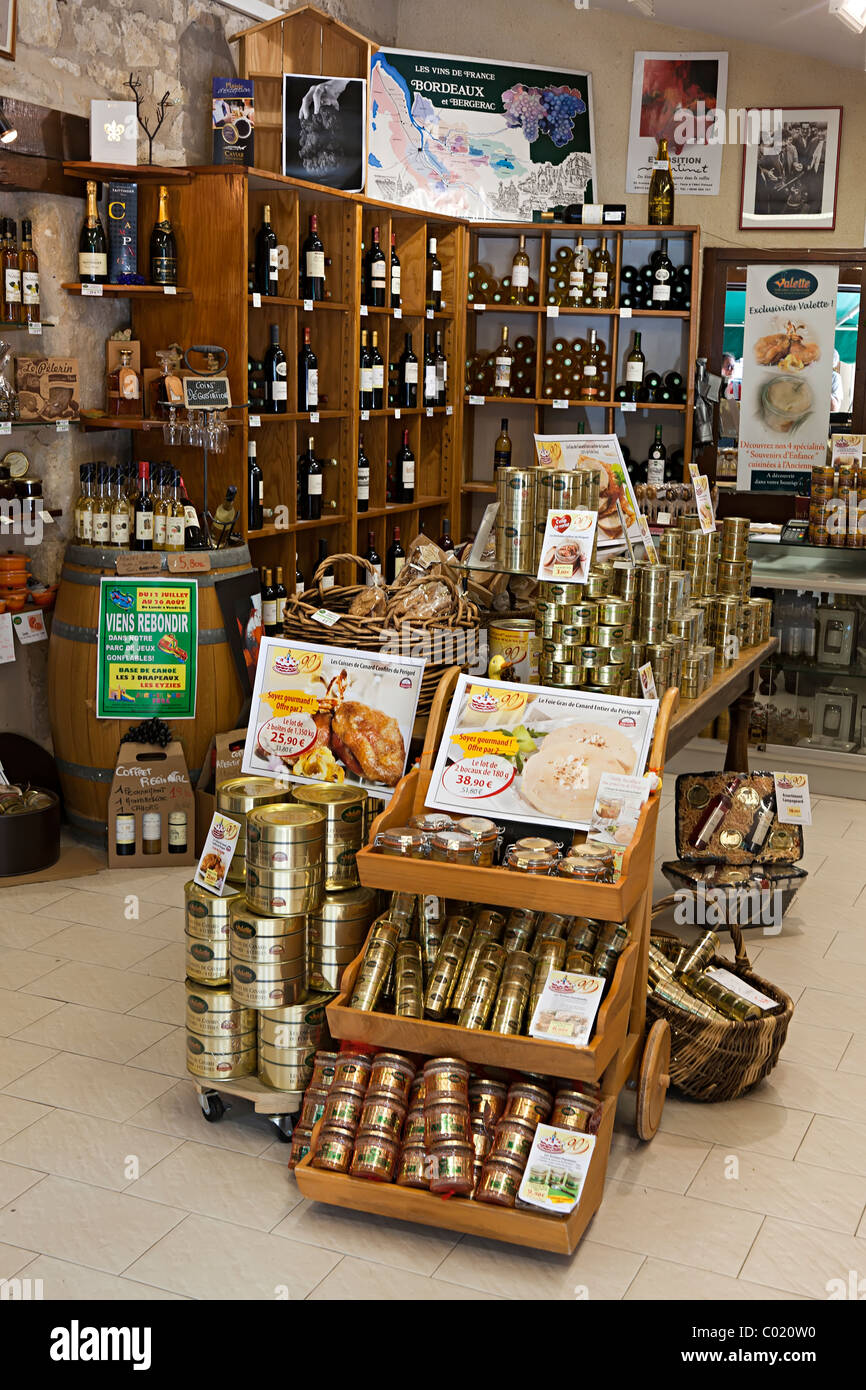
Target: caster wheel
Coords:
[(283, 1126), (654, 1079), (212, 1106)]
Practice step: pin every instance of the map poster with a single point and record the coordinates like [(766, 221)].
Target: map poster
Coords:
[(679, 97), (788, 346), (147, 647), (469, 137)]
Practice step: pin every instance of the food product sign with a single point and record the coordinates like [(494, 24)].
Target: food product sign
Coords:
[(600, 454), (330, 714), (528, 754), (787, 375), (147, 648)]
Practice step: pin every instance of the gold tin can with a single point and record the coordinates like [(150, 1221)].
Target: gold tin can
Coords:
[(285, 838), (207, 962), (257, 938), (212, 1012), (343, 807), (511, 638), (206, 914), (289, 1038), (608, 676), (582, 614), (327, 973), (565, 674), (237, 872), (510, 1007), (282, 1075), (499, 1182), (481, 936), (700, 955), (378, 959), (334, 1148), (285, 892), (223, 1065), (483, 987), (409, 981), (342, 919), (591, 655), (607, 636), (237, 796), (615, 612), (268, 986), (597, 584)]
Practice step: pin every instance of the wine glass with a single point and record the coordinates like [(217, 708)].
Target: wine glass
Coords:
[(172, 430)]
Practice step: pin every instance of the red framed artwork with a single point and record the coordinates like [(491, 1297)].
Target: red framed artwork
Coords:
[(791, 168)]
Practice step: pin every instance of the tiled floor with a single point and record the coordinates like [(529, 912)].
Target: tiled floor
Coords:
[(113, 1186)]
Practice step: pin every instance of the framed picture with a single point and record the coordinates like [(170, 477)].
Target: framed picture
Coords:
[(324, 130), (8, 19), (791, 173)]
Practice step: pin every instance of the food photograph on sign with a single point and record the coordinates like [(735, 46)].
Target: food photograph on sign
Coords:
[(526, 754), (326, 714), (566, 553), (600, 454)]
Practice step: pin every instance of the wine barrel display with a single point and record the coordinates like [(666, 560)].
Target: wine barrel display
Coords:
[(86, 747)]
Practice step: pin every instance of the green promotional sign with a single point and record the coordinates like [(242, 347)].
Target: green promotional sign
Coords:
[(147, 648)]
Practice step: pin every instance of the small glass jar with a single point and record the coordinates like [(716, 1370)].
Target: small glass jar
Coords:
[(177, 832), (453, 847), (446, 1120), (312, 1108), (334, 1149), (375, 1156), (452, 1166), (403, 842), (302, 1139), (487, 1101), (513, 1139), (499, 1182), (573, 1110), (392, 1074), (581, 870), (428, 822), (382, 1111), (151, 832), (412, 1168), (324, 1065), (481, 1138), (486, 835), (526, 861), (537, 844), (418, 1091), (528, 1103), (415, 1132), (352, 1069), (446, 1078), (343, 1107)]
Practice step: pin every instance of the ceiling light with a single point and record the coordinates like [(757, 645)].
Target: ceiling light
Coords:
[(851, 12), (646, 7), (8, 133)]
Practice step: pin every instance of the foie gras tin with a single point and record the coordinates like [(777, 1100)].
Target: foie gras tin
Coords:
[(285, 837), (342, 918), (284, 892), (239, 795), (257, 938), (268, 986), (207, 916), (343, 808), (285, 1075), (213, 1012), (207, 962), (214, 1059)]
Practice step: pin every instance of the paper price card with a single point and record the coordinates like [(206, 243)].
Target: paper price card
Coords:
[(703, 500), (567, 1008), (647, 681), (216, 857), (647, 541), (556, 1169), (566, 552), (793, 803)]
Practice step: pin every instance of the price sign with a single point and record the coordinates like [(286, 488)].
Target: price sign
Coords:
[(169, 289), (308, 304), (35, 330), (429, 412), (5, 426), (429, 313), (398, 313), (363, 311), (449, 410), (257, 300), (478, 777), (560, 405), (553, 311), (397, 414), (255, 421), (314, 417), (62, 426), (625, 313), (289, 735), (92, 291), (626, 406), (365, 414), (479, 308), (476, 400)]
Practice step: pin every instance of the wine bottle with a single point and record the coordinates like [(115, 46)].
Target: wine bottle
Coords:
[(502, 447), (312, 277), (663, 274), (602, 277), (434, 277), (441, 371), (590, 371), (395, 558), (175, 530), (714, 815), (84, 507), (274, 368), (163, 247), (657, 460), (395, 274), (408, 394), (142, 530), (520, 273), (224, 518), (578, 278), (375, 274), (255, 489), (373, 558), (660, 203), (635, 365), (280, 597), (378, 373), (327, 580), (194, 537), (29, 275), (431, 394), (363, 478), (120, 512), (445, 541), (504, 366), (269, 604), (102, 508), (300, 581), (92, 244), (365, 374), (405, 471), (308, 376), (310, 470), (161, 504), (267, 257)]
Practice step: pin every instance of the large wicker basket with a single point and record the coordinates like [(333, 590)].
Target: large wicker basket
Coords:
[(456, 636), (720, 1060)]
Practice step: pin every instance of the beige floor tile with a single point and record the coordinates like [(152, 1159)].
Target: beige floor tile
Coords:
[(103, 1089), (62, 1281), (660, 1279), (167, 962), (84, 1224), (204, 1259), (818, 1089), (166, 888), (827, 1009), (24, 930), (839, 977), (167, 925), (13, 1260), (87, 1149), (32, 897), (811, 1046), (19, 968), (854, 1057), (836, 1144), (669, 1162), (15, 1179), (168, 1005), (670, 1226), (810, 1262), (781, 1188), (17, 1010), (594, 1271), (98, 909), (401, 1244), (219, 1183), (362, 1281), (849, 946), (95, 986), (18, 1058), (97, 946), (93, 1032), (177, 1112), (744, 1123), (167, 1056), (795, 938), (16, 1115)]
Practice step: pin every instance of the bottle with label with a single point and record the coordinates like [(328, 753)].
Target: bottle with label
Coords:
[(602, 277), (373, 558), (10, 274), (520, 273), (656, 463), (224, 518), (431, 392), (124, 834), (635, 366), (102, 508), (194, 537), (163, 247), (395, 273), (312, 276), (378, 373), (579, 286), (405, 462), (177, 832), (280, 597), (504, 366), (269, 604), (590, 369), (300, 581), (662, 269), (441, 371), (29, 275), (395, 558), (79, 503), (365, 373), (327, 580), (276, 402), (760, 827), (375, 274), (445, 541), (714, 815), (434, 277), (310, 471), (175, 524), (408, 394), (161, 506), (267, 257), (142, 521), (124, 387), (255, 489), (363, 478), (92, 244), (502, 447), (660, 203), (308, 376)]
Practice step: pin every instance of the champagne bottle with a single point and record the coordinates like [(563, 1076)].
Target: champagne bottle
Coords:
[(502, 447), (308, 376), (408, 395), (375, 274), (267, 257), (142, 529), (92, 244), (276, 402), (312, 276), (660, 204), (29, 275), (255, 489), (635, 365), (434, 277), (504, 366), (395, 558), (163, 247), (363, 478), (395, 274)]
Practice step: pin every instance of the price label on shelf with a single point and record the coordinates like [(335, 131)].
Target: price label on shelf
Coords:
[(479, 308), (92, 291), (397, 414), (449, 410), (62, 426), (5, 426), (308, 304), (257, 299), (476, 400), (398, 313), (625, 406), (314, 417), (625, 313), (429, 313), (325, 617), (553, 311), (560, 405), (429, 412), (663, 519), (255, 421), (169, 289), (363, 311), (35, 330), (365, 414)]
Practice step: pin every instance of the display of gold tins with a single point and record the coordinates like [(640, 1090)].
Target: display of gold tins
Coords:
[(284, 892), (515, 520), (207, 962), (215, 1059), (206, 914), (261, 937), (283, 1075), (735, 538), (296, 1028), (270, 986), (343, 808), (285, 838), (212, 1012)]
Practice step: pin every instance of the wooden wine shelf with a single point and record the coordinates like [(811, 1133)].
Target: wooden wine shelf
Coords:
[(284, 301), (130, 292), (133, 422), (394, 508)]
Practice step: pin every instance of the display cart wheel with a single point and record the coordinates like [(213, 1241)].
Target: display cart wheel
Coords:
[(284, 1127), (212, 1105), (654, 1079)]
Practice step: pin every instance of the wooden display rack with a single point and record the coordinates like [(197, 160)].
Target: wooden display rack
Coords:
[(277, 1105), (617, 1053)]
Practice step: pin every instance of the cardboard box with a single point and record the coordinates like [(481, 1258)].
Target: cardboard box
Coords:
[(150, 780), (122, 209), (221, 761), (47, 388)]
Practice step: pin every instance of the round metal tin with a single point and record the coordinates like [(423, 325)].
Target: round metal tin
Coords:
[(240, 795), (207, 962), (267, 987), (213, 1012)]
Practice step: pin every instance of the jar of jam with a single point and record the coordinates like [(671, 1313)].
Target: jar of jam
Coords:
[(487, 1101), (446, 1078), (499, 1182), (528, 1103), (312, 1108), (375, 1156), (392, 1073), (382, 1111), (302, 1139), (452, 1168), (402, 841), (513, 1139), (352, 1069), (446, 1120), (412, 1167), (344, 1106), (334, 1149), (415, 1132)]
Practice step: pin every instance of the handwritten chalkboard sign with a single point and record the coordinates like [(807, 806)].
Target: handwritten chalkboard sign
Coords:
[(206, 393)]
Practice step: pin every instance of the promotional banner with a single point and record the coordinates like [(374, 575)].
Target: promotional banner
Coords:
[(566, 553), (469, 137), (602, 454), (147, 648), (787, 372), (679, 97), (326, 714), (527, 754)]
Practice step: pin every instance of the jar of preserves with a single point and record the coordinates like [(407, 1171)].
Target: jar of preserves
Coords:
[(446, 1078), (334, 1148), (393, 1074), (352, 1069), (452, 1164), (412, 1167), (375, 1156), (446, 1120), (487, 1101), (499, 1182), (382, 1111), (344, 1106), (528, 1103), (513, 1138)]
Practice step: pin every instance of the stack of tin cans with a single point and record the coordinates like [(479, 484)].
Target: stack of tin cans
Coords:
[(236, 797), (525, 497)]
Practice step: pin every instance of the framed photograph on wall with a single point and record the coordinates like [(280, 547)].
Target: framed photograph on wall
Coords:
[(791, 173), (8, 19)]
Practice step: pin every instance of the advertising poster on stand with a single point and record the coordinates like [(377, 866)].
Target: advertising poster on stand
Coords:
[(147, 648)]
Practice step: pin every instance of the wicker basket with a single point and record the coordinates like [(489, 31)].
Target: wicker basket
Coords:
[(720, 1060), (383, 632)]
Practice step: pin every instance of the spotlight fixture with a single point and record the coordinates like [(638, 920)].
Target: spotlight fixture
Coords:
[(851, 12), (8, 133), (646, 7)]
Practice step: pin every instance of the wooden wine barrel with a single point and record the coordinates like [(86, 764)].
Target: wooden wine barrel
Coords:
[(86, 747)]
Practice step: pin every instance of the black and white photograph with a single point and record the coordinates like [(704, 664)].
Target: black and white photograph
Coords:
[(790, 175), (7, 28), (324, 130)]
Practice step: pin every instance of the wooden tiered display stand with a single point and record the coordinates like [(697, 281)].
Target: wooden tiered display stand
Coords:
[(618, 1051)]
